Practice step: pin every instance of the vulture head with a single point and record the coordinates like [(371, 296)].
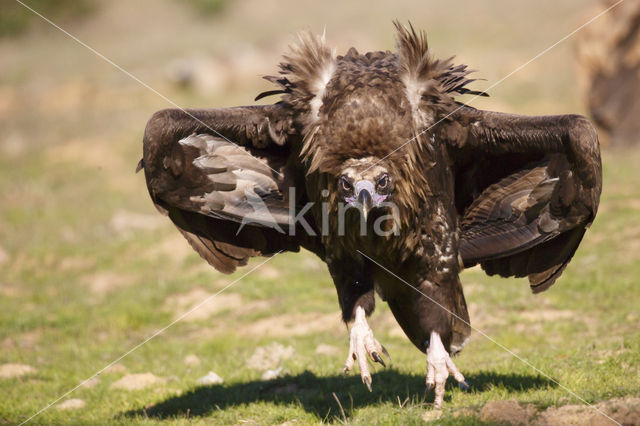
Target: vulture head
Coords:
[(364, 183)]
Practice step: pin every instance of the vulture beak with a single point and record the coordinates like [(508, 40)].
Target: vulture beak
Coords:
[(364, 190)]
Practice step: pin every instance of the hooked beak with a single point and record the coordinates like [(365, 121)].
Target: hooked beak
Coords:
[(365, 200), (364, 190)]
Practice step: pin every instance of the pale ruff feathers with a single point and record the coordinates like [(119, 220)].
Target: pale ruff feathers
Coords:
[(414, 91), (319, 88)]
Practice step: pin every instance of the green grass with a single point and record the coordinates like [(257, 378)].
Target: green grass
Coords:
[(77, 290)]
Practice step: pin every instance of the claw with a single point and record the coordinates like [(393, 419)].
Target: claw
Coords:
[(363, 347), (377, 358), (367, 381), (464, 386), (439, 367)]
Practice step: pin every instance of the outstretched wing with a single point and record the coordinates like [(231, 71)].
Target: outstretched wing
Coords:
[(526, 190), (223, 177)]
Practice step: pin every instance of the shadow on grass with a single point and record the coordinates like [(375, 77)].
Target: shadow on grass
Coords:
[(314, 393)]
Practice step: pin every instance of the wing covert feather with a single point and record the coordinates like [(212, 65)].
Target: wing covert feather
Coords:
[(527, 188), (221, 176)]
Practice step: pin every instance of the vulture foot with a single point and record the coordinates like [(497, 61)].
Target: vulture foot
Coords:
[(361, 344), (439, 366)]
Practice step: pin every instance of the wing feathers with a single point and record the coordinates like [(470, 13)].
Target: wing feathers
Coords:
[(225, 198), (213, 176), (531, 219), (504, 219)]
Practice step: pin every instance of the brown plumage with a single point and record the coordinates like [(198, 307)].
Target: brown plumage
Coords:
[(450, 185)]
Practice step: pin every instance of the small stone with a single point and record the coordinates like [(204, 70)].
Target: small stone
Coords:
[(272, 374), (71, 404), (137, 381), (210, 379), (191, 360), (8, 371), (327, 350)]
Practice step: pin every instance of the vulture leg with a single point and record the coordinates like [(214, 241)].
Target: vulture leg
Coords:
[(362, 343), (439, 366), (354, 284), (436, 323)]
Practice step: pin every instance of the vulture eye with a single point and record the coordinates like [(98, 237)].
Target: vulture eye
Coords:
[(344, 183), (383, 182)]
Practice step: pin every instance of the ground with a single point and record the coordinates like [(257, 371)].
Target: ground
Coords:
[(89, 270)]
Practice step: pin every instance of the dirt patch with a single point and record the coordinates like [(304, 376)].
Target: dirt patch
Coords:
[(547, 314), (103, 283), (288, 325), (10, 290), (29, 339), (91, 383), (184, 302), (269, 357), (26, 341), (623, 410), (75, 263), (506, 412), (116, 369), (125, 222), (137, 381), (9, 371), (71, 404), (328, 350), (91, 152), (269, 272)]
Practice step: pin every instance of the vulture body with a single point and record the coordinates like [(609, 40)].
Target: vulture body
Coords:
[(437, 186)]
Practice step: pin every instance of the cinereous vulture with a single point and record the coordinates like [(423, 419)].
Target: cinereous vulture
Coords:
[(436, 186)]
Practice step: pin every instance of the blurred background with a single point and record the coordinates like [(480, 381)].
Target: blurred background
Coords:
[(88, 269)]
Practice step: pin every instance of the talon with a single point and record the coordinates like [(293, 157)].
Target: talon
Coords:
[(363, 347), (367, 381), (377, 358), (439, 367), (464, 386)]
